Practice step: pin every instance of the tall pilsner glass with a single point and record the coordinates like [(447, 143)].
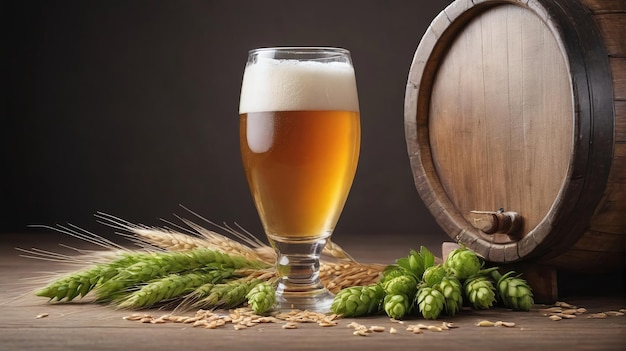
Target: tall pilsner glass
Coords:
[(300, 136)]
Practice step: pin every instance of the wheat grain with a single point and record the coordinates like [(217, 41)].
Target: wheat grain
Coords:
[(337, 276), (225, 244), (169, 240)]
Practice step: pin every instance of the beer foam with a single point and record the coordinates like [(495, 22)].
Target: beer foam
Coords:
[(289, 85)]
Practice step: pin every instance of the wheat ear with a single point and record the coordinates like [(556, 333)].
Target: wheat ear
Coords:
[(337, 276)]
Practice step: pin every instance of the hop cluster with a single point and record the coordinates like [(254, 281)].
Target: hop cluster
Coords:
[(416, 285)]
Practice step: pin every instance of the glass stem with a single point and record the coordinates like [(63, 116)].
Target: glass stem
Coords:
[(299, 284)]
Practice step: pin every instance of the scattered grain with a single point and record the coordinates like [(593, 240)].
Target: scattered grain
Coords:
[(450, 325), (159, 321), (614, 313), (41, 315), (200, 323), (393, 330), (551, 310), (565, 316), (564, 305), (600, 315), (555, 317), (434, 328), (361, 332), (136, 317), (485, 323)]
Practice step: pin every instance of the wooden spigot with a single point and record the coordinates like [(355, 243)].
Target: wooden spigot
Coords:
[(496, 222)]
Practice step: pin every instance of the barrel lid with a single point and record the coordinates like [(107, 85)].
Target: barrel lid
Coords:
[(496, 119)]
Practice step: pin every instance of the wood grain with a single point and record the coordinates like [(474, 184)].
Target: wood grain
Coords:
[(88, 326), (519, 105)]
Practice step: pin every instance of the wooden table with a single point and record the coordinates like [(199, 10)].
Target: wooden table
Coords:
[(86, 326)]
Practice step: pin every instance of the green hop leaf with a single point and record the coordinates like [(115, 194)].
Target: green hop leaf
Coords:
[(417, 262)]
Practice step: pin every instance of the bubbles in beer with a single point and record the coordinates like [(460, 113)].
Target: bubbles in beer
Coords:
[(289, 85)]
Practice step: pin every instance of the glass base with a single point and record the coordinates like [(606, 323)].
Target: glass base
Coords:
[(314, 302), (299, 285)]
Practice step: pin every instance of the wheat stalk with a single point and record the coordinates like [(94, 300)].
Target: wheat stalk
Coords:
[(172, 240), (177, 265), (201, 237), (170, 287)]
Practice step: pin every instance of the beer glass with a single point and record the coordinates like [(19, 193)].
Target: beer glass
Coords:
[(300, 138)]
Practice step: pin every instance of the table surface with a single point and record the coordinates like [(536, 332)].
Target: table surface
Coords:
[(88, 326)]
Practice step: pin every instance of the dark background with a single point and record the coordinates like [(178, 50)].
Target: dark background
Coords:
[(131, 108)]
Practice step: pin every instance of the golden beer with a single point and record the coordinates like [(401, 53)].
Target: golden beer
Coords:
[(301, 178), (300, 138)]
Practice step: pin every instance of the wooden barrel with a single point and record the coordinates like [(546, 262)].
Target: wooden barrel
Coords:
[(515, 121)]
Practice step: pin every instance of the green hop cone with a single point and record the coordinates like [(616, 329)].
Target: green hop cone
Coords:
[(480, 292), (430, 302), (403, 284), (358, 300), (463, 263), (452, 291), (262, 298), (397, 306), (515, 292), (391, 272), (433, 275)]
